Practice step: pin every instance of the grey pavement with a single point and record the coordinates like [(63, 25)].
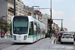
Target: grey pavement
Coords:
[(43, 44), (3, 40), (46, 45)]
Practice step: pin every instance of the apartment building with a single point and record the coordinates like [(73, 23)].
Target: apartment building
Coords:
[(20, 10), (56, 28), (65, 29), (7, 9), (10, 10), (28, 10), (3, 9), (53, 26), (45, 21)]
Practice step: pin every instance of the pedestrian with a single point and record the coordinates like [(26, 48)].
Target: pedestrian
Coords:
[(5, 35)]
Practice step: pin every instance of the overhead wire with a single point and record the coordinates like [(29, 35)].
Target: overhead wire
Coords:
[(34, 2)]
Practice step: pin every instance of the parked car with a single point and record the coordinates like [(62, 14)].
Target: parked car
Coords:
[(60, 34), (2, 34), (67, 37), (74, 37)]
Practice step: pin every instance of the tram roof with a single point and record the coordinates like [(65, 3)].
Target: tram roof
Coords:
[(33, 19), (30, 18)]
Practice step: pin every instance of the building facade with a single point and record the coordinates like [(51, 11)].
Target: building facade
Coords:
[(45, 21), (10, 10), (20, 10), (7, 9), (65, 29), (57, 28), (28, 10), (3, 9)]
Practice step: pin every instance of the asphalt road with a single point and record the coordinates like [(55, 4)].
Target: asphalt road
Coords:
[(43, 44)]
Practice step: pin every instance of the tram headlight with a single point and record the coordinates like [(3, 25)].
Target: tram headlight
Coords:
[(25, 37), (14, 37)]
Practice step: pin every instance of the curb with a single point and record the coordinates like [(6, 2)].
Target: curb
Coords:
[(55, 41)]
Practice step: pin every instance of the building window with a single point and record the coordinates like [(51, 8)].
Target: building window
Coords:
[(19, 9), (18, 0)]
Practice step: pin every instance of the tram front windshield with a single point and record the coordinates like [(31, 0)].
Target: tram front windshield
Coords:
[(20, 25)]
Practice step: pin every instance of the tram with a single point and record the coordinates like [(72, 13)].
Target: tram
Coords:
[(26, 29)]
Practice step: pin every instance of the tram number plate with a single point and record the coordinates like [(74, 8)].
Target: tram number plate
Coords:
[(19, 36)]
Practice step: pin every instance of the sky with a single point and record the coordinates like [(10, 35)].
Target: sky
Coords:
[(61, 9)]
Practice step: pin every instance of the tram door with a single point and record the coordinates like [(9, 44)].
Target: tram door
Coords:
[(35, 32)]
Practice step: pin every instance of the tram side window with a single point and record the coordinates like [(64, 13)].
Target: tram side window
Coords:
[(31, 28), (35, 30), (44, 31), (38, 28)]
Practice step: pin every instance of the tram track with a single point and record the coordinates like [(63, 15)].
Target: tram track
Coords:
[(23, 46), (14, 45), (20, 47)]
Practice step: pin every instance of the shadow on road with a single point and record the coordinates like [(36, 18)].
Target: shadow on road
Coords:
[(21, 43), (66, 43)]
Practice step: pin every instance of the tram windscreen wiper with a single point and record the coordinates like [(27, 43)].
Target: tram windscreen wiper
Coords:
[(20, 30)]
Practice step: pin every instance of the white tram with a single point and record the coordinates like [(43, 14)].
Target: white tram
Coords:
[(26, 29)]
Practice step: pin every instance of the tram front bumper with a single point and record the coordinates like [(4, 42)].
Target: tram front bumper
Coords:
[(21, 41)]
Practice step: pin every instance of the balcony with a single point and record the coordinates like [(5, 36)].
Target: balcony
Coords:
[(11, 9)]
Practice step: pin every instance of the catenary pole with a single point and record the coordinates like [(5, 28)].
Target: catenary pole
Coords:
[(50, 19), (14, 7)]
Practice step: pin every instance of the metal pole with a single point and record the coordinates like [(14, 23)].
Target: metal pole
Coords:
[(61, 25), (14, 7), (51, 9), (43, 8), (1, 32), (33, 11), (50, 21), (1, 28)]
